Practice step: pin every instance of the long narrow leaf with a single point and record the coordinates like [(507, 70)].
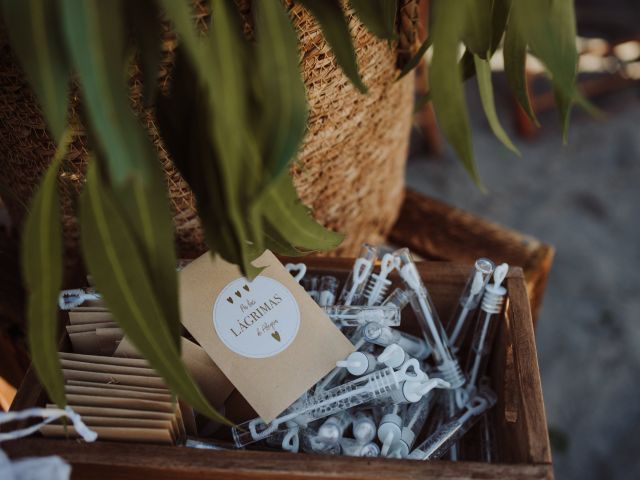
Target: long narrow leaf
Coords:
[(96, 33), (144, 21), (334, 25), (95, 37), (284, 102), (42, 267), (184, 124), (483, 75), (222, 67), (549, 28), (515, 57), (110, 252), (241, 166), (415, 60), (446, 83), (499, 14), (477, 34), (33, 30), (379, 16), (280, 201)]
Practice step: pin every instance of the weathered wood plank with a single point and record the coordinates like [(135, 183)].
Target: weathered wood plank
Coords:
[(116, 460), (438, 231)]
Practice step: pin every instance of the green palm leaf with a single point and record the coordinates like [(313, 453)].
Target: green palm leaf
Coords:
[(116, 266), (334, 25), (33, 30), (42, 270)]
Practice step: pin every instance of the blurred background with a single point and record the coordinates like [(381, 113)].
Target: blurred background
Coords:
[(584, 199)]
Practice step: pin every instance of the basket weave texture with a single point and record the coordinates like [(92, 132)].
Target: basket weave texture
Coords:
[(350, 169)]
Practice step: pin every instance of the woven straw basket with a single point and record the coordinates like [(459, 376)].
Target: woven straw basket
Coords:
[(351, 169)]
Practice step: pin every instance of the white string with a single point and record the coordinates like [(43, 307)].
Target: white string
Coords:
[(49, 415)]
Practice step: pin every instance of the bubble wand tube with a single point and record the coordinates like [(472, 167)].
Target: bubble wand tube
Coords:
[(432, 329)]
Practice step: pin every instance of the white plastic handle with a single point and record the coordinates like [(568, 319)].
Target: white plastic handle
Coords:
[(301, 268)]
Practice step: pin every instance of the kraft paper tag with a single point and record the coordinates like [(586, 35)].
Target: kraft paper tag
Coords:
[(269, 338)]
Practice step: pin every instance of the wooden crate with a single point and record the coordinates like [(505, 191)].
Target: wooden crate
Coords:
[(437, 231), (521, 430)]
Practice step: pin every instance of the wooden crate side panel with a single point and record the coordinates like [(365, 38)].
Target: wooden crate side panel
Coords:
[(528, 374), (108, 460)]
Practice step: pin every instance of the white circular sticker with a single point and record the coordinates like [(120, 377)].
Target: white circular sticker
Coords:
[(256, 319)]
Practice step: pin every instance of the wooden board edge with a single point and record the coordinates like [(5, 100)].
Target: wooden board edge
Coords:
[(129, 461), (526, 362)]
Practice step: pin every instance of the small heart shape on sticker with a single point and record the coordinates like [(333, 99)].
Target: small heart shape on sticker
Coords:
[(230, 300), (276, 335), (238, 294), (246, 287), (297, 270)]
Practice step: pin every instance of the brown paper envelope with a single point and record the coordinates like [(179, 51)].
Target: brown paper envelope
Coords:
[(212, 382), (272, 356), (79, 317), (109, 339), (126, 403), (86, 343), (119, 413), (107, 412), (115, 332), (125, 362), (100, 377), (91, 307), (188, 418), (87, 327), (237, 409), (106, 368), (182, 431), (147, 435), (93, 422), (121, 393), (115, 386)]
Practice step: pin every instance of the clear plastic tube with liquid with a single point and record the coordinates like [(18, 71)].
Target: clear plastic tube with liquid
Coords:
[(414, 421), (399, 297), (468, 302), (385, 336), (358, 315), (353, 448), (338, 374), (353, 290), (332, 429), (486, 327), (407, 384), (310, 284), (287, 440), (439, 442), (433, 331), (328, 291), (359, 363), (364, 427), (390, 427), (379, 282)]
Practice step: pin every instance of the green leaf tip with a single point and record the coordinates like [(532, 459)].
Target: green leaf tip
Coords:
[(42, 271)]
